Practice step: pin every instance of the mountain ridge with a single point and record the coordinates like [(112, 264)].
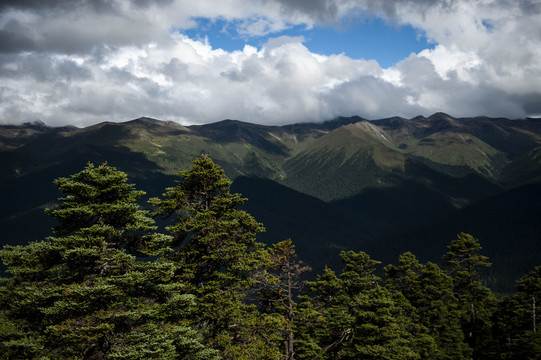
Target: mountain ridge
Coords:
[(377, 179)]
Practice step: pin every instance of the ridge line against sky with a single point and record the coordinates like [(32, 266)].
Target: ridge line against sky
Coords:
[(82, 62)]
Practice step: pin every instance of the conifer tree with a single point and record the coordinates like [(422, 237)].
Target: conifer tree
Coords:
[(476, 301), (361, 320), (323, 325), (219, 258), (278, 291), (509, 320), (529, 286), (529, 296), (430, 291), (83, 294), (217, 238), (516, 321)]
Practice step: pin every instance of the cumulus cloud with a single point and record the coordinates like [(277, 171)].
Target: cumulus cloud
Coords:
[(82, 62)]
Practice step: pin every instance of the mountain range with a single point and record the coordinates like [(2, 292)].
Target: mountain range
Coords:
[(382, 186)]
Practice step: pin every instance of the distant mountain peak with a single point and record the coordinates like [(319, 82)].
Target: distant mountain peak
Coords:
[(155, 123), (36, 124), (230, 123), (145, 121), (325, 126), (440, 115)]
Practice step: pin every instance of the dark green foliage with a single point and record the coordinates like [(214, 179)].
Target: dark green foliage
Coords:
[(510, 321), (218, 239), (358, 318), (278, 291), (521, 318), (430, 291), (99, 202), (219, 259), (475, 301), (529, 288), (516, 331), (83, 295), (109, 286)]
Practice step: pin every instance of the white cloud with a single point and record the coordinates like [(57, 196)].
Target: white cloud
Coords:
[(448, 61), (86, 62)]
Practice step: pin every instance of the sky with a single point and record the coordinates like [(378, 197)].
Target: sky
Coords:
[(81, 62)]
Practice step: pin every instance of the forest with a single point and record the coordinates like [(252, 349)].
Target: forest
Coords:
[(108, 285)]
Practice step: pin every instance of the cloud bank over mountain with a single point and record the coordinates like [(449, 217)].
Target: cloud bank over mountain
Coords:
[(82, 62)]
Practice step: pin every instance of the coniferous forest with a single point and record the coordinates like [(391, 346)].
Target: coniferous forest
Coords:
[(108, 285)]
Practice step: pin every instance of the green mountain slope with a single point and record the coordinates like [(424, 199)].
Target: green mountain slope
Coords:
[(330, 186), (463, 145), (343, 162)]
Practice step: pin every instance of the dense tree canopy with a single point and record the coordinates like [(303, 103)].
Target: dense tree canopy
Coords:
[(430, 291), (109, 285), (516, 320), (84, 294)]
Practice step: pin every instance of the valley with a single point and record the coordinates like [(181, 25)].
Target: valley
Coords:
[(381, 186)]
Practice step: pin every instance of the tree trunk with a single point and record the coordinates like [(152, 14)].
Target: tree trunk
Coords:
[(533, 315), (289, 341), (290, 314), (472, 320)]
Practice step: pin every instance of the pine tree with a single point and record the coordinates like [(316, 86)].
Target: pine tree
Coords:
[(278, 292), (84, 294), (324, 325), (476, 301), (529, 286), (361, 320), (430, 291), (219, 258), (217, 238), (509, 319), (528, 296), (516, 321)]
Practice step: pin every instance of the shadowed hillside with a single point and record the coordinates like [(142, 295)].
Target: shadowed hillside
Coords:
[(345, 183)]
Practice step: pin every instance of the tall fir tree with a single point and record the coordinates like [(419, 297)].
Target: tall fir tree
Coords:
[(84, 294), (219, 258), (516, 321), (529, 300), (529, 286), (359, 318), (323, 325), (430, 291), (464, 262), (279, 290)]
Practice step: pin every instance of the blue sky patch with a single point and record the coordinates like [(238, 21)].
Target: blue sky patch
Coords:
[(371, 39)]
